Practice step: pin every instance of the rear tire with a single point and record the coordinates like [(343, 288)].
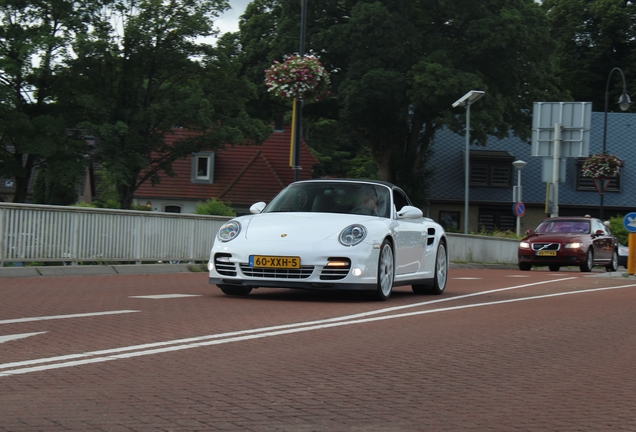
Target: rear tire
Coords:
[(554, 267), (589, 261), (441, 274), (386, 272), (234, 290), (613, 265)]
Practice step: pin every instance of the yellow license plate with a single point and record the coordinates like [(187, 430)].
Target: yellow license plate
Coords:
[(283, 262), (546, 253)]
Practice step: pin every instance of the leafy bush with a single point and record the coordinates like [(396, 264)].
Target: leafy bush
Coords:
[(618, 229), (214, 207)]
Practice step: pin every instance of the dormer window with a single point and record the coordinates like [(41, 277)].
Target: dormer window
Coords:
[(202, 167)]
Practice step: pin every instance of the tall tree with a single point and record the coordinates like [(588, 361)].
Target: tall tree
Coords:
[(34, 34), (594, 37), (397, 67), (142, 71)]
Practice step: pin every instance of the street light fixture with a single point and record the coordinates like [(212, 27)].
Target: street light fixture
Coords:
[(623, 102), (466, 100), (519, 164)]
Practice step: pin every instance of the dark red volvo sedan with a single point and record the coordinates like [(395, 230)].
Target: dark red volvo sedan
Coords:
[(569, 241)]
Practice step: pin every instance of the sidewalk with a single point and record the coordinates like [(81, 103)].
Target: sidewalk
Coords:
[(93, 270), (128, 269)]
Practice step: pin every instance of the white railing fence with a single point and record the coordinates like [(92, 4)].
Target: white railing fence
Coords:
[(72, 235)]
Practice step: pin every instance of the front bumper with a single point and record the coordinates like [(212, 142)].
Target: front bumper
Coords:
[(564, 258), (231, 267)]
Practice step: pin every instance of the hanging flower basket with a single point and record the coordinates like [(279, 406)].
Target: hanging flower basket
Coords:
[(602, 166), (298, 77)]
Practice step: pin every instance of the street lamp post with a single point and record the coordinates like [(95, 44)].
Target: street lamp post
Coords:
[(623, 102), (298, 102), (519, 164), (466, 100)]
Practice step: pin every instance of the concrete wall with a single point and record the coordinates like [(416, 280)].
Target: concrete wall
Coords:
[(481, 249)]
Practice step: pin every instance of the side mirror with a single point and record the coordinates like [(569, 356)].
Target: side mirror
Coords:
[(599, 233), (410, 212), (528, 232), (257, 208)]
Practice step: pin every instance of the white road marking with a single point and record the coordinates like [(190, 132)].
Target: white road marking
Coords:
[(467, 278), (17, 336), (517, 276), (165, 296), (54, 317), (208, 340)]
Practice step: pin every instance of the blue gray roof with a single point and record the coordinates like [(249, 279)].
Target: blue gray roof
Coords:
[(447, 163)]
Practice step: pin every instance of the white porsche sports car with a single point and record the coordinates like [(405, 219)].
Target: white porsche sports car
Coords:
[(332, 234)]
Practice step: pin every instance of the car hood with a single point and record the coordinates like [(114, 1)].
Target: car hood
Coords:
[(556, 238), (307, 227)]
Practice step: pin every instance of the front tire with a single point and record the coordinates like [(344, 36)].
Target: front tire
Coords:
[(386, 272), (525, 266), (613, 265), (234, 290), (589, 261)]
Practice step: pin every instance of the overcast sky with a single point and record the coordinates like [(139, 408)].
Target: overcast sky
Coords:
[(228, 22)]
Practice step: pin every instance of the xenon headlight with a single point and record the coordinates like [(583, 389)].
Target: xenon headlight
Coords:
[(352, 235), (229, 231), (575, 245)]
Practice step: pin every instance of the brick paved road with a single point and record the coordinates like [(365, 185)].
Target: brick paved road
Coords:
[(501, 351)]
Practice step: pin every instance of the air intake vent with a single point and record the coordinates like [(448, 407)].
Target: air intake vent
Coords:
[(302, 273), (223, 265), (336, 269)]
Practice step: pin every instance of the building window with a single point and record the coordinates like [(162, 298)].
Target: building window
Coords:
[(279, 124), (203, 168), (449, 220), (491, 168), (587, 183), (172, 209), (496, 219)]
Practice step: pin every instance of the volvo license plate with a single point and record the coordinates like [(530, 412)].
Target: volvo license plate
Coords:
[(546, 253), (282, 262)]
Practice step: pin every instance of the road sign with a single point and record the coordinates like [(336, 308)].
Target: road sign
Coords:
[(575, 119), (629, 222), (519, 209)]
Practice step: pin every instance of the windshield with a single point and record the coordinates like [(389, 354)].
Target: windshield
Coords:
[(564, 226), (333, 197)]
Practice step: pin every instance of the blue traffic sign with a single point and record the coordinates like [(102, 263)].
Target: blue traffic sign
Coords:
[(629, 222), (519, 209)]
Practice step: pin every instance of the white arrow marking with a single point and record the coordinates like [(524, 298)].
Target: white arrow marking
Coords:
[(632, 221), (17, 336)]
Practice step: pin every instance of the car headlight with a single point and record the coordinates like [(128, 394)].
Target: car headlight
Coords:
[(352, 235), (575, 245), (524, 245), (229, 231)]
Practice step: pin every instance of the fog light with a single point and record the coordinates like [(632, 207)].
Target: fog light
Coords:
[(210, 266), (356, 272)]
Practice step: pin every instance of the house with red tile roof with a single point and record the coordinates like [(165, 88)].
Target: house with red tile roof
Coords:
[(239, 176)]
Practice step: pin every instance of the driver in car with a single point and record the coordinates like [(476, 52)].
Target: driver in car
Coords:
[(367, 201)]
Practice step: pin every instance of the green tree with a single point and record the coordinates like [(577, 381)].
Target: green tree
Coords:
[(593, 37), (140, 73), (397, 67), (34, 35)]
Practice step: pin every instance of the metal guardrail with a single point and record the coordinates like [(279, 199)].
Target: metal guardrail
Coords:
[(43, 233), (72, 235)]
